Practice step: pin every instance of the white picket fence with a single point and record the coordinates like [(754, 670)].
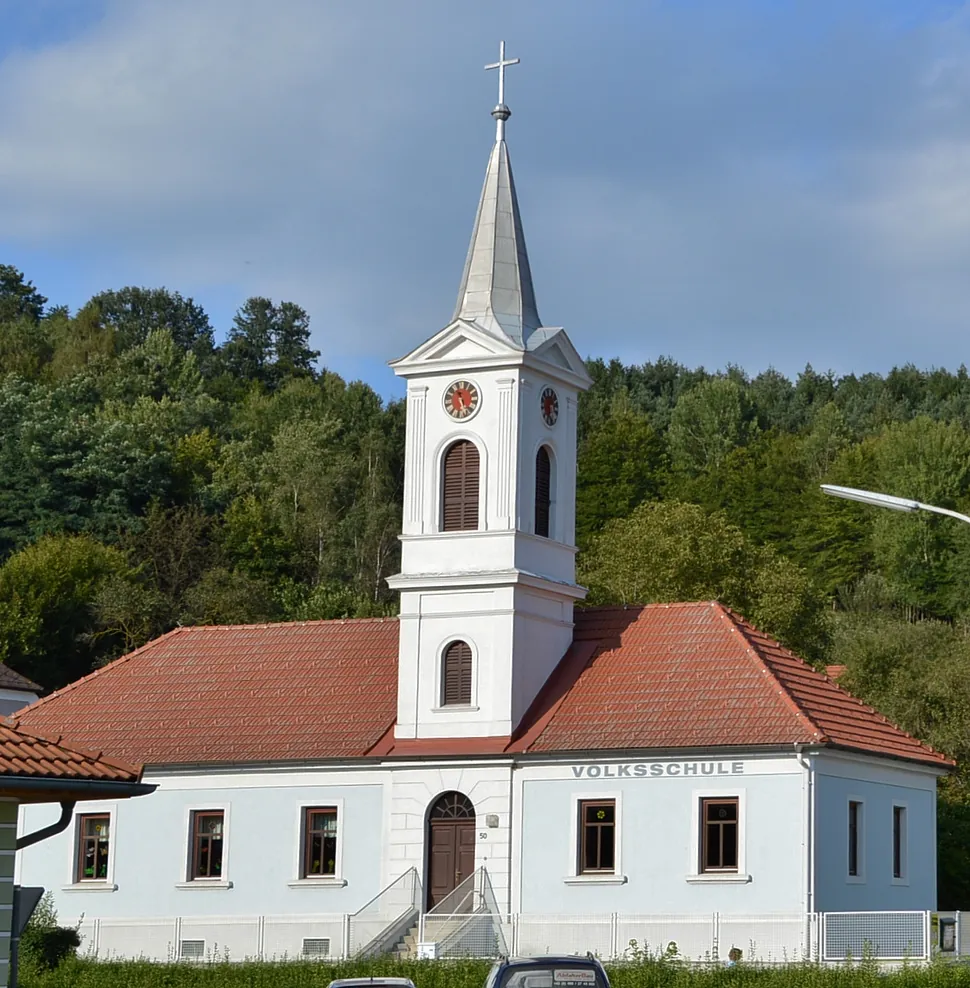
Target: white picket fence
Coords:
[(707, 937)]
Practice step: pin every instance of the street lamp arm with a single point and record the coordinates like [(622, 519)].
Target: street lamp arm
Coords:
[(943, 511), (889, 501)]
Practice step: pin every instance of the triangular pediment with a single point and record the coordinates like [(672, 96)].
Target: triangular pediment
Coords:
[(461, 341), (552, 345)]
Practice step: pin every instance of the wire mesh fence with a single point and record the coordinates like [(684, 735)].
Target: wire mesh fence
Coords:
[(767, 938)]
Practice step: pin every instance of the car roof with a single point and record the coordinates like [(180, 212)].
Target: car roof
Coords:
[(376, 980), (554, 959)]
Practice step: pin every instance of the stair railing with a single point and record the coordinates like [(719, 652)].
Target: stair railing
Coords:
[(379, 924)]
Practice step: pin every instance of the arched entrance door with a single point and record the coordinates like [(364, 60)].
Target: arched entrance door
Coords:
[(451, 845)]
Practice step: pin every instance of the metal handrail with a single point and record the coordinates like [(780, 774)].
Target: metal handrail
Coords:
[(388, 910)]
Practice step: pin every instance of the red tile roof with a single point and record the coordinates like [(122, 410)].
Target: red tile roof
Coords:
[(655, 677), (25, 754), (698, 676), (244, 693)]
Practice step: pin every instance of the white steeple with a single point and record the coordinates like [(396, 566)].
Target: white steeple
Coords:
[(487, 575), (496, 291)]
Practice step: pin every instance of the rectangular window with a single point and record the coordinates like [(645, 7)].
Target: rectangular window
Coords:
[(855, 837), (207, 830), (94, 846), (719, 834), (319, 842), (597, 836), (899, 842)]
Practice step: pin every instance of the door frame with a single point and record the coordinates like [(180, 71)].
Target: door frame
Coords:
[(471, 821)]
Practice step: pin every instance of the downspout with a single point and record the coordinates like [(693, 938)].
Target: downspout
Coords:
[(808, 831), (67, 811)]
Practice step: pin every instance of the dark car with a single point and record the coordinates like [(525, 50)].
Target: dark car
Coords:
[(548, 972)]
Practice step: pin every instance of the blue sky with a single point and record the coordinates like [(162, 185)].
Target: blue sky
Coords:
[(759, 183)]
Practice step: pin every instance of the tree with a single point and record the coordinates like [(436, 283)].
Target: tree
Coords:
[(18, 297), (707, 423), (618, 467), (670, 551), (48, 629), (247, 354), (225, 596), (133, 313), (291, 338)]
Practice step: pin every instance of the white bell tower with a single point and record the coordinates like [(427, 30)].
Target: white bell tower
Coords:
[(487, 575)]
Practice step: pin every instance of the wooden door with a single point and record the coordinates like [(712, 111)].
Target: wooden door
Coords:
[(452, 858), (451, 847)]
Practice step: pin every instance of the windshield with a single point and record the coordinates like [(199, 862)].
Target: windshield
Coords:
[(563, 975)]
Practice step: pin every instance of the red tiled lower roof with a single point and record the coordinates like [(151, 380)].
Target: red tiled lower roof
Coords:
[(242, 693), (25, 754), (662, 676)]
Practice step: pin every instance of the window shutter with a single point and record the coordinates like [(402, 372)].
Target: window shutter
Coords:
[(457, 675), (542, 492), (460, 488)]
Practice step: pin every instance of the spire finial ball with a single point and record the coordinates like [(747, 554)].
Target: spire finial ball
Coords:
[(501, 112)]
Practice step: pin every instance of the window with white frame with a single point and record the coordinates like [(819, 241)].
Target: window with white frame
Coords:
[(719, 836), (206, 845), (319, 842), (93, 847), (899, 843), (597, 837), (856, 839)]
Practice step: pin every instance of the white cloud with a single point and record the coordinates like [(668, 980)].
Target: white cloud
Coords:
[(709, 182)]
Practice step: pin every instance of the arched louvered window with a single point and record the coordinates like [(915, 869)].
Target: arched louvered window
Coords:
[(459, 510), (456, 675), (543, 491)]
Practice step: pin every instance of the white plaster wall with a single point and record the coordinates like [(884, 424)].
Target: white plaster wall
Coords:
[(658, 837), (150, 846), (483, 617), (508, 430), (414, 789), (543, 632), (878, 785)]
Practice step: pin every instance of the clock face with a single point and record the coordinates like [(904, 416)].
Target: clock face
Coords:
[(461, 399), (549, 404)]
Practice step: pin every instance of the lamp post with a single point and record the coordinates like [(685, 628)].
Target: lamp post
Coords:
[(889, 501)]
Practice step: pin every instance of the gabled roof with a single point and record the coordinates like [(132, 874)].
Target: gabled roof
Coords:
[(696, 675), (655, 678), (11, 680)]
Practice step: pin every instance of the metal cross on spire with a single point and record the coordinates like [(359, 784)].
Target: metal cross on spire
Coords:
[(501, 111)]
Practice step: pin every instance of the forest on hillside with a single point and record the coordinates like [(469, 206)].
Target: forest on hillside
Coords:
[(152, 476)]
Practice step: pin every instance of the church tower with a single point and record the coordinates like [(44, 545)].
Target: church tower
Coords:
[(487, 577)]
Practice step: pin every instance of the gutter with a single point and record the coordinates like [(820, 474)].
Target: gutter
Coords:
[(808, 832), (78, 788), (67, 810)]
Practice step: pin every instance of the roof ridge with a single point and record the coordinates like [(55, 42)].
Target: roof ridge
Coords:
[(70, 687), (739, 624), (284, 624), (652, 605)]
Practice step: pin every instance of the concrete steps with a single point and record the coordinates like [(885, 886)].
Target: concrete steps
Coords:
[(407, 947)]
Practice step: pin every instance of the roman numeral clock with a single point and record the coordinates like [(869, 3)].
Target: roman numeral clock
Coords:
[(461, 399)]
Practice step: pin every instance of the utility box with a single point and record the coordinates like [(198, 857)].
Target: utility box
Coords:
[(948, 935), (427, 951)]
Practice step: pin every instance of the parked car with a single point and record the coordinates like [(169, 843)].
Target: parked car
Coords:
[(548, 972), (378, 982)]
